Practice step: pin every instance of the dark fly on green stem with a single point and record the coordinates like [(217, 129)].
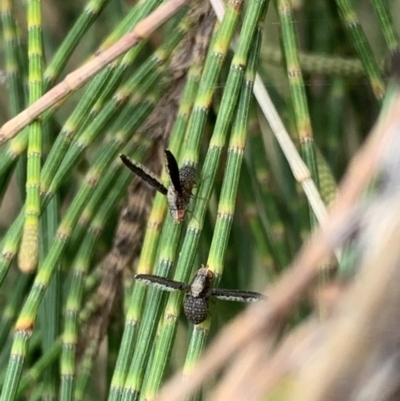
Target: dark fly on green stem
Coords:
[(182, 181), (197, 294)]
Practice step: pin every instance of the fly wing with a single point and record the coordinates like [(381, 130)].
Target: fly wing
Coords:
[(237, 295), (161, 282), (173, 170), (144, 173)]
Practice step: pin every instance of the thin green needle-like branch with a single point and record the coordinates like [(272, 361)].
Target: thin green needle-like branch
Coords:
[(138, 357), (79, 77), (360, 43), (297, 281), (385, 20), (18, 144), (27, 317), (167, 253), (229, 100), (11, 42), (296, 163), (81, 266), (297, 88), (85, 20), (29, 250), (227, 201), (318, 63), (190, 90), (15, 147)]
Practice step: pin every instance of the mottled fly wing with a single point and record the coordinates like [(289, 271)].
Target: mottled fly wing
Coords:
[(161, 282), (173, 170), (237, 295), (144, 173)]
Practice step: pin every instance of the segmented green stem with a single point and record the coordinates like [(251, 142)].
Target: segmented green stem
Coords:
[(226, 206), (252, 211), (195, 130), (50, 309), (29, 249), (169, 242), (31, 377), (151, 239), (136, 113), (12, 43), (297, 88), (140, 145), (149, 72), (70, 333), (362, 47), (10, 244), (75, 122), (81, 266), (212, 68), (18, 144), (269, 217), (319, 64), (13, 374), (15, 65), (225, 116), (28, 314), (151, 313), (86, 368), (128, 59), (135, 105), (108, 80), (89, 14), (385, 20), (13, 304)]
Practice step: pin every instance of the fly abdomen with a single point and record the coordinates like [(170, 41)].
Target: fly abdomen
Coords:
[(196, 309)]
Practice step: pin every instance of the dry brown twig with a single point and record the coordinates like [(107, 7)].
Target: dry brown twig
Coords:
[(80, 76), (293, 284)]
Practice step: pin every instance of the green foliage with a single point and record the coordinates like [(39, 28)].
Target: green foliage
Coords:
[(79, 327)]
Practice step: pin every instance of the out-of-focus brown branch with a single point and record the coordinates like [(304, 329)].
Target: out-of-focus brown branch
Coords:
[(282, 296)]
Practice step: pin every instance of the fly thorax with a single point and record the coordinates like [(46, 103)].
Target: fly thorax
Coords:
[(172, 198), (201, 283), (198, 286), (187, 178)]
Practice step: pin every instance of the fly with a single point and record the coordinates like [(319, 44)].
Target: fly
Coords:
[(197, 294), (182, 181)]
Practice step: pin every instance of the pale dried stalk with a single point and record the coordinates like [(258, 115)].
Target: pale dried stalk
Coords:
[(299, 168), (80, 76), (293, 284), (238, 383)]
